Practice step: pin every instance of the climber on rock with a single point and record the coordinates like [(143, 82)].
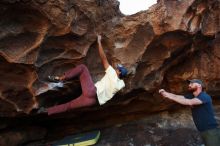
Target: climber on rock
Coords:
[(202, 110), (100, 92)]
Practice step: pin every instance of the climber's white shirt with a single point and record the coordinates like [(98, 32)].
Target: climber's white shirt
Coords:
[(108, 86)]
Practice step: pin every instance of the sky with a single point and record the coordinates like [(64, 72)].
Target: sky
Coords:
[(129, 7)]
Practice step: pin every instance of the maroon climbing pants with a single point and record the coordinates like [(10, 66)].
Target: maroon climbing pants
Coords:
[(88, 96)]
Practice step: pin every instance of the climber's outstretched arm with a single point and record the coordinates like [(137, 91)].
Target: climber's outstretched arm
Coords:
[(102, 53)]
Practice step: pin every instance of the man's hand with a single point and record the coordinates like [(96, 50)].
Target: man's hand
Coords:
[(161, 90), (164, 93), (99, 38)]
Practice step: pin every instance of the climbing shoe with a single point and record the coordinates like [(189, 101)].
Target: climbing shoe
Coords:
[(53, 78), (42, 110)]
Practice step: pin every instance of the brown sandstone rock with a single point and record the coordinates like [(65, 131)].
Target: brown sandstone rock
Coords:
[(162, 47)]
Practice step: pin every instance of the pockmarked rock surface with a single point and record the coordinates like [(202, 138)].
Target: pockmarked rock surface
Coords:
[(164, 129), (162, 47)]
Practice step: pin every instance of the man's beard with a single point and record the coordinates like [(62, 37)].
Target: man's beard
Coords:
[(192, 89)]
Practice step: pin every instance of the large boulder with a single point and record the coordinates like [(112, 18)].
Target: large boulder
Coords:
[(162, 47)]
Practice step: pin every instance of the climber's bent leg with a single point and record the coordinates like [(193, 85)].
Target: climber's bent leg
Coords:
[(88, 96)]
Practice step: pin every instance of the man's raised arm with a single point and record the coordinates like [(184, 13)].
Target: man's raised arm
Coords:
[(102, 53)]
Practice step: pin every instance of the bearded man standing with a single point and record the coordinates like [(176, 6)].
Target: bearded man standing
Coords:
[(202, 110)]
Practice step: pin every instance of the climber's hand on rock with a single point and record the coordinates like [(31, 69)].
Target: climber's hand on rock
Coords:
[(99, 38)]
